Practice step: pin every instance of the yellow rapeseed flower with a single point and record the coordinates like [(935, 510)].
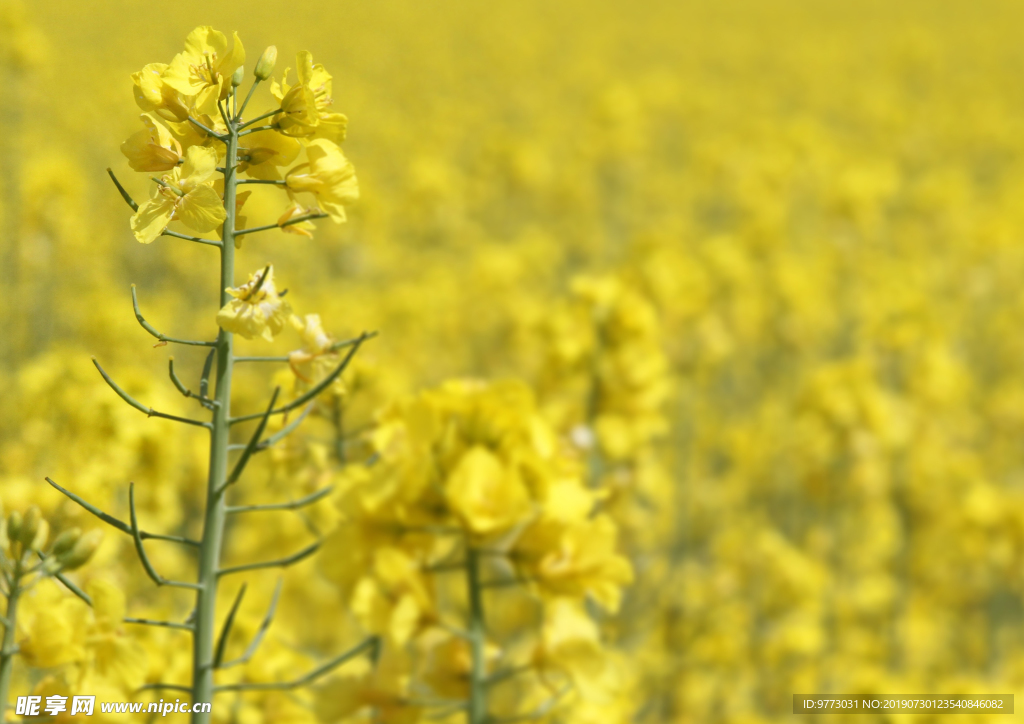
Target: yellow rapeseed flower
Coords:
[(153, 94), (153, 148), (328, 175), (257, 310), (304, 106), (487, 496), (205, 67), (186, 194), (261, 153)]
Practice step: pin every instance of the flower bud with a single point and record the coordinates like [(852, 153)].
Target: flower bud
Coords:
[(81, 551), (42, 535), (167, 115), (238, 76), (13, 525), (30, 526), (65, 541), (265, 65)]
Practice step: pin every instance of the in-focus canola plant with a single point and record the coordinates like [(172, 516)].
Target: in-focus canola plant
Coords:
[(195, 131)]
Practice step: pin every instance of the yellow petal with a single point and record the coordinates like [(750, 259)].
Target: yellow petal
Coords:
[(202, 209), (206, 99), (151, 149), (205, 40), (148, 84), (231, 61), (152, 218), (485, 494), (179, 76), (200, 165)]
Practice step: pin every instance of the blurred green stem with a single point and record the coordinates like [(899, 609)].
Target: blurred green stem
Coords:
[(477, 711), (7, 649)]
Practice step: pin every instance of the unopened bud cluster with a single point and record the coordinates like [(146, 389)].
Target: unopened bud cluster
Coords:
[(23, 544)]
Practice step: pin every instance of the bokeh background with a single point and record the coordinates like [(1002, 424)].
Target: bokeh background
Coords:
[(786, 235)]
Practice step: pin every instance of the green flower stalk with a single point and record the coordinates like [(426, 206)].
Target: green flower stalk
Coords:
[(198, 89), (476, 712)]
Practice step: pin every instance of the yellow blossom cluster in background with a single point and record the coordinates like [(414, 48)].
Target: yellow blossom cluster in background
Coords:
[(697, 379)]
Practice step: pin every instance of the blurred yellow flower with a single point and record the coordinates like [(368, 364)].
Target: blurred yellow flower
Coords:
[(575, 558), (302, 228), (486, 494)]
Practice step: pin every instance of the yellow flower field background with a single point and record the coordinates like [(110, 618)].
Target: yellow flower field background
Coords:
[(698, 344)]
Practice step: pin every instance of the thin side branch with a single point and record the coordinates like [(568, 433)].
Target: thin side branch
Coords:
[(260, 633), (499, 676), (223, 114), (290, 505), (248, 97), (455, 631), (150, 412), (506, 582), (297, 220), (209, 131), (317, 389), (352, 341), (435, 703), (222, 642), (140, 549), (447, 711), (69, 584), (243, 459), (204, 401), (121, 525), (538, 713), (164, 624), (160, 335), (285, 431), (196, 239), (285, 358), (253, 130), (124, 194), (278, 563), (257, 119), (372, 644), (204, 379)]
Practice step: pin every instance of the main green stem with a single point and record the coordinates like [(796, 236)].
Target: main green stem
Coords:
[(477, 711), (7, 649), (213, 525)]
